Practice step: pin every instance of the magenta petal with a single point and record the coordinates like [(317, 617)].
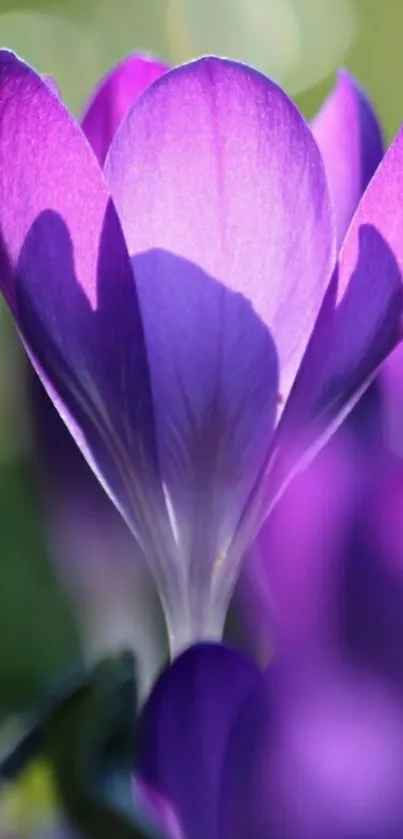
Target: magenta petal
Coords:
[(349, 137), (66, 275), (114, 96), (185, 730), (361, 319), (221, 193)]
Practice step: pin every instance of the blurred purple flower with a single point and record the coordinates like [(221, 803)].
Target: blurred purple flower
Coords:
[(307, 755), (181, 386)]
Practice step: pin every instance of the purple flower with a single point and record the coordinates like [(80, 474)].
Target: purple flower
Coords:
[(184, 306), (237, 752)]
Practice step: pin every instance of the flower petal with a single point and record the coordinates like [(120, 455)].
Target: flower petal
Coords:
[(66, 275), (349, 137), (113, 98), (185, 728), (316, 759), (222, 197), (361, 319)]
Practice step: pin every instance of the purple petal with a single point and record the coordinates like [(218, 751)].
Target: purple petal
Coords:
[(317, 759), (114, 96), (185, 729), (222, 197), (66, 275), (349, 137), (361, 319)]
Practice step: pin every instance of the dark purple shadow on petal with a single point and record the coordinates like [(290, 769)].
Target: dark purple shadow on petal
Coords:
[(213, 308), (345, 378), (115, 353), (216, 433), (371, 152), (185, 729), (105, 385), (350, 339)]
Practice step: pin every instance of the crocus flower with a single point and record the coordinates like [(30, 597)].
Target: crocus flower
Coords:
[(183, 306), (84, 530), (83, 527)]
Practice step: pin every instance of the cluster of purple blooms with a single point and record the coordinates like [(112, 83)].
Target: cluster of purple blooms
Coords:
[(208, 289)]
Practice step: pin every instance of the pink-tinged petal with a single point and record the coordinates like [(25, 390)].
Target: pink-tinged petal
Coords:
[(349, 137), (113, 98), (221, 192), (315, 759), (185, 728), (361, 319), (66, 274)]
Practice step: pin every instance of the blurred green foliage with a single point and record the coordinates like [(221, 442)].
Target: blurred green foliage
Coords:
[(76, 41)]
